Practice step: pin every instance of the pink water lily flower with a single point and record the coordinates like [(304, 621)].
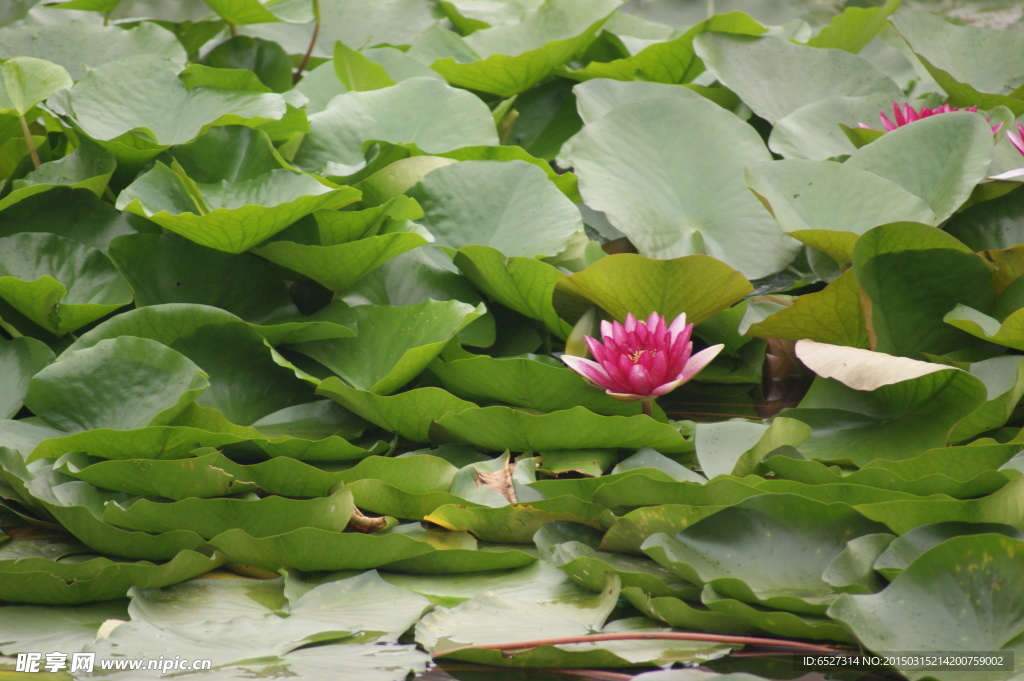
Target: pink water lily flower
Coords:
[(907, 114), (641, 360), (1017, 138)]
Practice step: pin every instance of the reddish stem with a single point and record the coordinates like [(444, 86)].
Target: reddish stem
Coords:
[(309, 50), (648, 406), (647, 635)]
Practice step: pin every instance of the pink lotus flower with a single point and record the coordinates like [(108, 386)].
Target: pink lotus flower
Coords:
[(641, 360), (1017, 138), (908, 114)]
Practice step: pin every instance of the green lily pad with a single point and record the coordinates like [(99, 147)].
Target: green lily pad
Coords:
[(339, 266), (42, 580), (30, 628), (880, 406), (269, 516), (959, 472), (741, 550), (423, 111), (977, 611), (971, 65), (312, 549), (72, 213), (509, 206), (79, 506), (522, 284), (110, 104), (628, 283), (678, 613), (960, 142), (230, 216), (672, 60), (821, 130), (775, 78), (565, 610), (509, 58), (590, 568), (20, 359), (409, 414), (27, 81), (1004, 385), (201, 333), (1009, 332), (76, 44), (242, 12), (59, 284), (853, 28), (83, 390), (833, 315), (87, 167), (905, 549), (394, 343), (669, 207), (778, 622), (853, 570), (528, 382), (517, 523), (943, 273), (1002, 506), (737, 447), (806, 195), (165, 268), (499, 428)]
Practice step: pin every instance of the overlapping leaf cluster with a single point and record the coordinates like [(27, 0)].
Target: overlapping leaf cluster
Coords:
[(293, 308)]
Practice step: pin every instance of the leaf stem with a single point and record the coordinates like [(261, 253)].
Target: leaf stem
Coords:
[(28, 140), (646, 635), (312, 42)]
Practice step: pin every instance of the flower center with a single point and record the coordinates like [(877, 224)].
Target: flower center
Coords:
[(635, 356)]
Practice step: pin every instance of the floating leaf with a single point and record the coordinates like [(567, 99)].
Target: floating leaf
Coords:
[(423, 111), (971, 65), (111, 103), (395, 343), (83, 390), (509, 206), (498, 428), (39, 579), (165, 268), (977, 611), (627, 283), (833, 315), (510, 58), (20, 359), (524, 382), (741, 550), (668, 207), (59, 284), (87, 167), (409, 414), (958, 141), (672, 60), (810, 197), (522, 284), (933, 272), (775, 78), (201, 333), (912, 405), (77, 45), (230, 216)]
